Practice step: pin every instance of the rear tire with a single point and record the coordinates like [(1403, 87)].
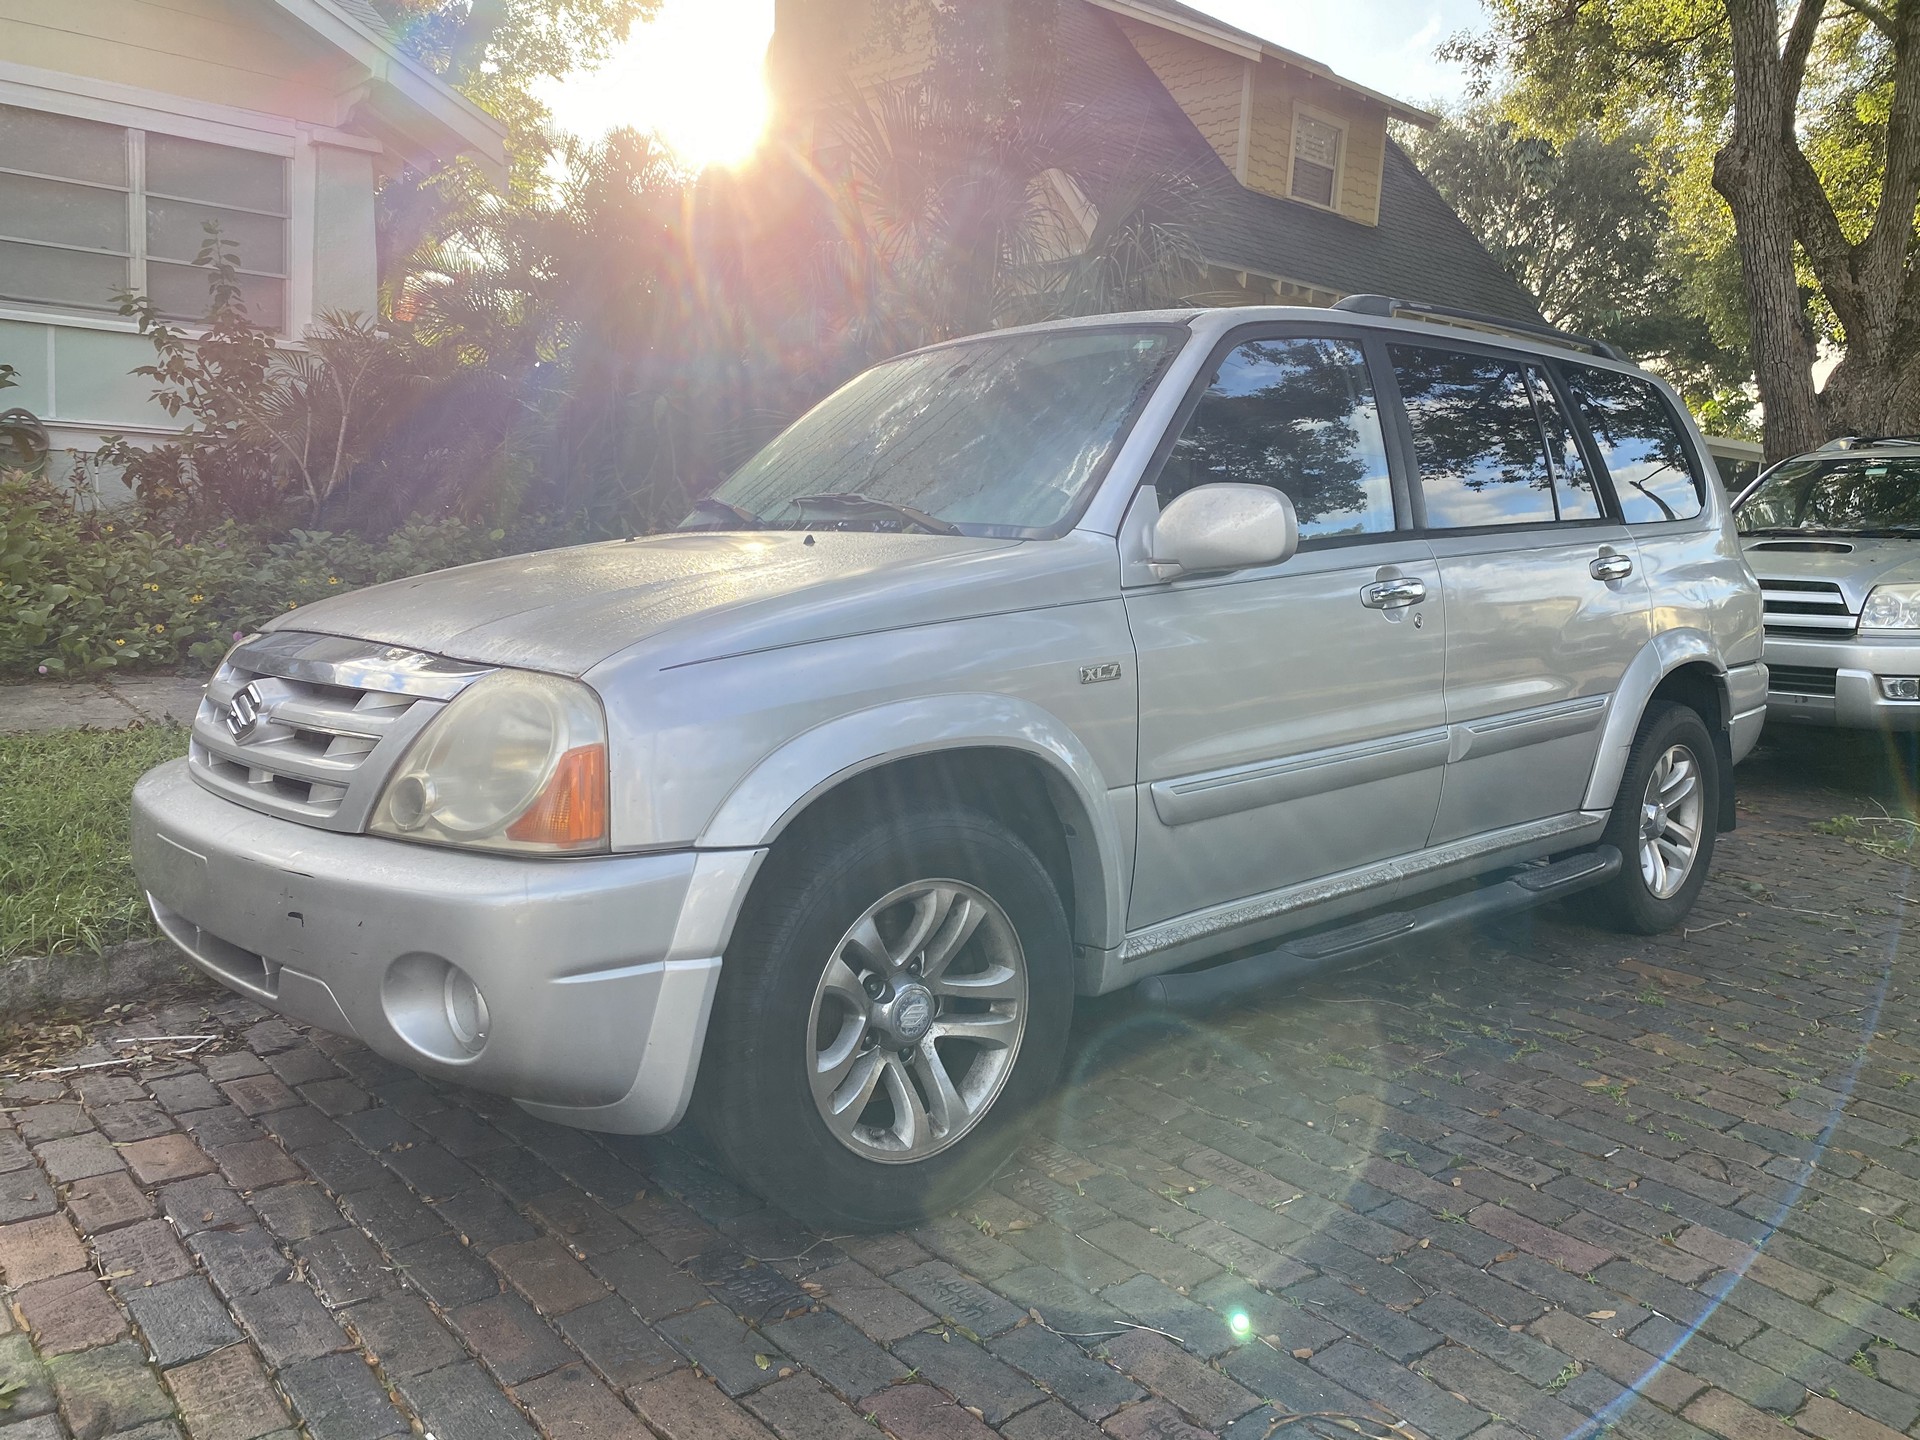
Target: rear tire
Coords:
[(894, 1001), (1663, 824)]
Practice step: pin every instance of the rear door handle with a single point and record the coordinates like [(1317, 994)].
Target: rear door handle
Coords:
[(1611, 565), (1393, 594)]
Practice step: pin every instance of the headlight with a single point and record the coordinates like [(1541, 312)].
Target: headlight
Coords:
[(1891, 607), (518, 761)]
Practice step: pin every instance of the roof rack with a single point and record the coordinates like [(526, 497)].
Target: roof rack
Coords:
[(1863, 442), (1389, 307)]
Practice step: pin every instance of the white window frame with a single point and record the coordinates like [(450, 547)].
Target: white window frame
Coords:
[(140, 112), (1340, 127)]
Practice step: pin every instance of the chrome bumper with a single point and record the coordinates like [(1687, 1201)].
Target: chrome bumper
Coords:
[(1856, 702), (598, 974)]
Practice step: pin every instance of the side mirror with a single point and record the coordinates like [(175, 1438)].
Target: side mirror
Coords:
[(1223, 527)]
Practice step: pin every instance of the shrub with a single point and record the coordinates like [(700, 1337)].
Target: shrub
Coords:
[(86, 592)]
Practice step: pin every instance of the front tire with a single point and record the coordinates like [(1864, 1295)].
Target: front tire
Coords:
[(896, 997), (1663, 824)]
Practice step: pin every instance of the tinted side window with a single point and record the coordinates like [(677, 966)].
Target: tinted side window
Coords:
[(1573, 488), (1478, 444), (1641, 442), (1298, 415)]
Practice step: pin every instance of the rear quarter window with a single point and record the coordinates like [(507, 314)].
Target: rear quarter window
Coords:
[(1641, 442)]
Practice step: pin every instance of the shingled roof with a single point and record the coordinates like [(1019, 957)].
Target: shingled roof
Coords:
[(1420, 250)]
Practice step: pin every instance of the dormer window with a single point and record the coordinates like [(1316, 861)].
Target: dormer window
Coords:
[(1316, 159)]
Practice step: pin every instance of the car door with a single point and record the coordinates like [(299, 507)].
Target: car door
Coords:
[(1292, 720), (1546, 601)]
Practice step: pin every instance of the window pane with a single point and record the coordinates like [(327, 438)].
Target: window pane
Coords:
[(217, 174), (179, 292), (1316, 159), (1641, 443), (1478, 445), (59, 145), (1573, 486), (60, 277), (62, 214), (176, 229), (1298, 415)]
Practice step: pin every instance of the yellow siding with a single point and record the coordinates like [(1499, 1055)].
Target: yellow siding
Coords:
[(1277, 89), (209, 50), (1207, 83)]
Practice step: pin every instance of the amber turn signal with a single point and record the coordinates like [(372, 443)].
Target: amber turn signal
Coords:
[(570, 812)]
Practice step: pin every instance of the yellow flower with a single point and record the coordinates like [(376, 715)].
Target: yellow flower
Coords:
[(333, 579), (119, 642), (293, 604), (159, 629), (195, 599), (109, 529)]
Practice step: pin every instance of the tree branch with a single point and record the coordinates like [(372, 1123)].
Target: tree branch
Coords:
[(1793, 56), (1875, 15)]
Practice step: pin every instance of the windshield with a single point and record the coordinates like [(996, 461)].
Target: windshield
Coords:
[(1851, 496), (1000, 437)]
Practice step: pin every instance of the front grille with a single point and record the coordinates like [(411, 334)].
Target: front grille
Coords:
[(1800, 680), (308, 727), (1808, 608)]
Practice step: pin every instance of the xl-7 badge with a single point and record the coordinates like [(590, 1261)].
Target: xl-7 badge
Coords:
[(1094, 674)]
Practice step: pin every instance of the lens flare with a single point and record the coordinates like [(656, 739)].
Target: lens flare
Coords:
[(1241, 1326)]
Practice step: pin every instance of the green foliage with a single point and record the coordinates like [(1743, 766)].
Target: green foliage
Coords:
[(23, 439), (66, 874), (84, 592)]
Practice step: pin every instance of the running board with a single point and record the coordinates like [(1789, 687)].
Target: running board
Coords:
[(1312, 953)]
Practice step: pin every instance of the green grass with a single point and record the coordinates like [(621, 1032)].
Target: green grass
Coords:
[(66, 878)]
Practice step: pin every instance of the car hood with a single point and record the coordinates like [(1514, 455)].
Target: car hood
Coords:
[(565, 611), (1856, 564)]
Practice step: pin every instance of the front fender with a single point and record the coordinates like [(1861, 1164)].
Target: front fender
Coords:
[(1658, 658), (782, 785)]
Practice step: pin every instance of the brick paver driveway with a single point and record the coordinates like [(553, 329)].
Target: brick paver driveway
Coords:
[(1534, 1183)]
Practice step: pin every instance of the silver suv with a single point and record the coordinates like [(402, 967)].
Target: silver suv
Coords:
[(1033, 664), (1835, 538)]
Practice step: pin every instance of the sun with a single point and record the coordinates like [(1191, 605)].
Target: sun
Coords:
[(694, 75)]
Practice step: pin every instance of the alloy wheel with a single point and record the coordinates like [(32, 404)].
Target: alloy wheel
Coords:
[(1670, 821)]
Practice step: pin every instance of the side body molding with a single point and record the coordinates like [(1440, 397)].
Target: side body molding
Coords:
[(776, 790), (1666, 652)]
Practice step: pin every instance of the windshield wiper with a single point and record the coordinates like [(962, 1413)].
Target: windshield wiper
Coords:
[(1796, 531), (851, 506), (713, 505)]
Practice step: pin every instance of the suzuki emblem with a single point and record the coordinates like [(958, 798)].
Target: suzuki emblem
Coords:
[(243, 713)]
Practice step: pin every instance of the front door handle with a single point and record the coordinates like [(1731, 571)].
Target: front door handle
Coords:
[(1393, 594), (1611, 565)]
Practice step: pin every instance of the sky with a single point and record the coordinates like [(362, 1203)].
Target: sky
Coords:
[(693, 73)]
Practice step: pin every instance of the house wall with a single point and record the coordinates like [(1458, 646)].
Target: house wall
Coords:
[(1207, 83), (233, 72)]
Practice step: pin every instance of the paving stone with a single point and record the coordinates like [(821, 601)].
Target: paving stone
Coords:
[(645, 1278), (301, 1066), (205, 1203), (25, 1195), (550, 1277), (1205, 1396), (14, 1154), (135, 1120), (1422, 1404), (617, 1342), (271, 1035), (1152, 1303), (39, 1249), (1391, 1332), (869, 1302), (444, 1270), (106, 1202), (588, 1227), (1522, 1354), (1051, 1421), (511, 1340), (403, 1335), (78, 1157), (39, 1427), (484, 1218), (391, 1214), (255, 1165), (571, 1403), (800, 1408), (1092, 1387), (139, 1256), (165, 1158), (240, 1262), (460, 1400), (178, 1094), (107, 1389), (226, 1397), (1155, 1420), (431, 1171), (1288, 1382), (302, 1128), (757, 1293), (969, 1374), (297, 1211), (337, 1398), (289, 1324), (19, 1366), (953, 1297), (70, 1312), (715, 1340), (221, 1068), (345, 1267), (182, 1320), (837, 1353), (54, 1121), (682, 1406), (221, 1126)]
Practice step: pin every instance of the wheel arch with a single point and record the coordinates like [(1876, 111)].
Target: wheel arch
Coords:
[(1683, 666), (1029, 768)]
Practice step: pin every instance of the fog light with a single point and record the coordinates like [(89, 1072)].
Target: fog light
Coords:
[(1900, 687), (466, 1009)]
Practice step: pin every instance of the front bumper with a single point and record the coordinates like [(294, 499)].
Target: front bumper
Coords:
[(1857, 665), (598, 974)]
